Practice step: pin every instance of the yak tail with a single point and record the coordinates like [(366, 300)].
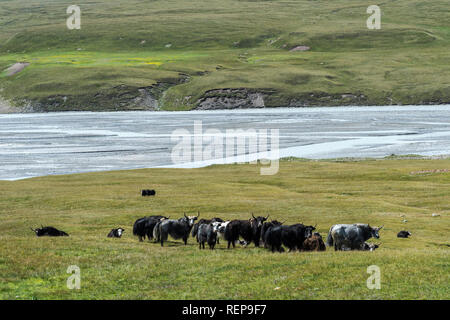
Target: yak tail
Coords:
[(330, 238)]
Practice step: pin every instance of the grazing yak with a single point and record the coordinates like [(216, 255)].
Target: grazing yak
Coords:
[(207, 233), (49, 231), (116, 233), (203, 221), (177, 229), (403, 234), (147, 192), (249, 230), (314, 243), (144, 226), (351, 236)]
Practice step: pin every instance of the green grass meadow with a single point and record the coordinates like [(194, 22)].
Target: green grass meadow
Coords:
[(225, 44), (379, 192)]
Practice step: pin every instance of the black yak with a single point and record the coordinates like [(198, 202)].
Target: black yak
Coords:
[(49, 231)]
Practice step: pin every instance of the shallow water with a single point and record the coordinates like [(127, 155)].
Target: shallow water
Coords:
[(60, 143)]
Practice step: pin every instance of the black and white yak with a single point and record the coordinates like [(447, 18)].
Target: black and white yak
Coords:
[(207, 233), (116, 233), (203, 221), (351, 236)]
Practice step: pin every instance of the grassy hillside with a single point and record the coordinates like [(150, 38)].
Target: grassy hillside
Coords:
[(175, 51), (323, 192)]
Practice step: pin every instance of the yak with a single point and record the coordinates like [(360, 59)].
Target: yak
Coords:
[(49, 231), (314, 243), (291, 236), (177, 229), (403, 234), (143, 227), (266, 226), (207, 233), (203, 221), (147, 192), (370, 246), (294, 235), (351, 236), (256, 224), (249, 230), (116, 233)]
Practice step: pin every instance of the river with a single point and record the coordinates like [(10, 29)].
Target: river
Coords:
[(61, 143)]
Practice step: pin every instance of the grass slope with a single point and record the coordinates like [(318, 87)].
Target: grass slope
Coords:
[(324, 192), (124, 46)]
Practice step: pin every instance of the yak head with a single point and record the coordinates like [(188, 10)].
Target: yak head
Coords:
[(375, 232), (38, 231), (216, 226), (370, 246), (258, 221), (221, 226), (120, 231), (309, 231), (191, 219)]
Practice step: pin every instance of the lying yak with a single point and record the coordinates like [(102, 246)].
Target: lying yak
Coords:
[(370, 246), (49, 231), (403, 234), (314, 243), (116, 233)]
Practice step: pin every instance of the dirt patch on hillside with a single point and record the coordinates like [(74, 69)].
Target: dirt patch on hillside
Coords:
[(300, 48), (16, 68)]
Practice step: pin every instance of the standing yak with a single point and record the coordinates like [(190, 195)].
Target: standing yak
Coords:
[(203, 221), (177, 229), (249, 230), (351, 236), (143, 227), (207, 233)]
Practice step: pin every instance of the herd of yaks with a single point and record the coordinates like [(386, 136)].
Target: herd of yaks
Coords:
[(273, 235)]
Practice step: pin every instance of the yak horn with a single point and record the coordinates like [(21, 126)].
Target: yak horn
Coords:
[(198, 214), (253, 216), (267, 216), (381, 227), (185, 214)]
